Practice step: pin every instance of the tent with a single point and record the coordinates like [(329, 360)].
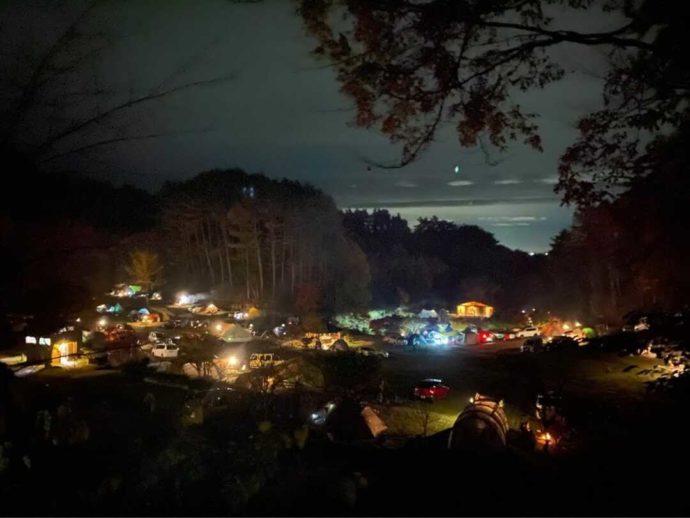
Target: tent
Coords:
[(428, 313), (474, 309), (346, 423), (103, 308), (340, 345), (234, 333), (481, 427), (298, 370), (211, 309)]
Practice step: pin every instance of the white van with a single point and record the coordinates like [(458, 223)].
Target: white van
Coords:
[(165, 351)]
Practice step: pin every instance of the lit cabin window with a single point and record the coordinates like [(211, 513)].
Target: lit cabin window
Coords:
[(30, 340)]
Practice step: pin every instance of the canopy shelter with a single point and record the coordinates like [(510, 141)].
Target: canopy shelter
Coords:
[(474, 309)]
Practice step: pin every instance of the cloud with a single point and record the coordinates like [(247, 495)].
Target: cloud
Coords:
[(460, 183), (406, 184), (551, 180), (511, 224), (514, 219), (474, 202), (507, 182)]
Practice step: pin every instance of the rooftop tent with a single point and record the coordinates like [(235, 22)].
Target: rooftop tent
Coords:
[(234, 333), (474, 309), (482, 427)]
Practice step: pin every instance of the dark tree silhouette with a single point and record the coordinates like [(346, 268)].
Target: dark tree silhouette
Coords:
[(410, 66)]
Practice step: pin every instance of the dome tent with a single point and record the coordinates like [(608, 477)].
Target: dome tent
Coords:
[(340, 345), (481, 427), (235, 333), (428, 313)]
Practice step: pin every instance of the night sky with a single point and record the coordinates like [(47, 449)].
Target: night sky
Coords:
[(282, 114)]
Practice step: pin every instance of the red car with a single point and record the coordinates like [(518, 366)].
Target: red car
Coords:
[(431, 389), (485, 336)]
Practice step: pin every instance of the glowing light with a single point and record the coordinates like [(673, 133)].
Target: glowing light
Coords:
[(577, 324), (471, 400), (531, 253), (566, 327), (183, 299), (457, 169), (219, 327), (30, 340), (102, 322), (233, 360)]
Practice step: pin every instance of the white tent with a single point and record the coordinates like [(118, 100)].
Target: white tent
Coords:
[(234, 333), (428, 313)]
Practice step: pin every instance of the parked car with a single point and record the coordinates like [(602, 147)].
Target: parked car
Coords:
[(395, 339), (485, 336), (532, 345), (156, 336), (172, 324), (527, 332), (259, 360), (165, 351), (431, 389), (370, 351), (561, 343)]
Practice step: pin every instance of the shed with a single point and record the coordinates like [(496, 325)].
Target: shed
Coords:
[(474, 309)]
